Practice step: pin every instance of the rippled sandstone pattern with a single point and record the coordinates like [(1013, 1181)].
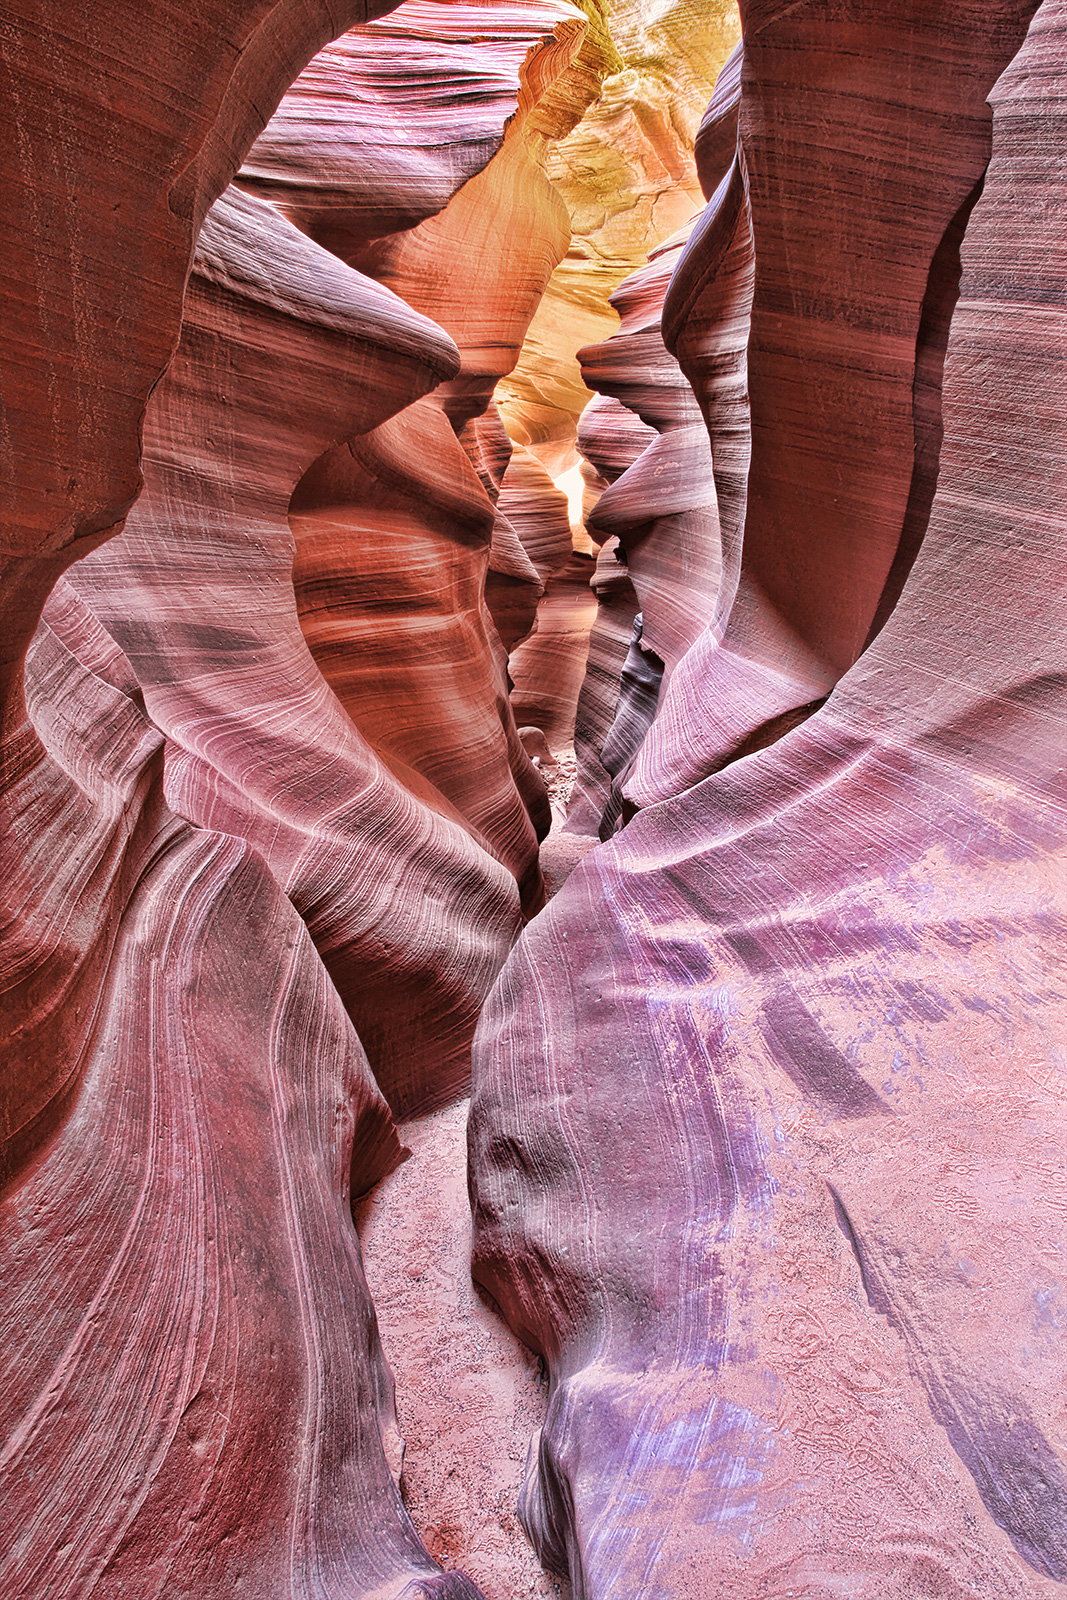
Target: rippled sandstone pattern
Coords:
[(661, 510), (394, 531), (768, 1128), (629, 180), (768, 1141), (856, 274), (194, 1399), (283, 350)]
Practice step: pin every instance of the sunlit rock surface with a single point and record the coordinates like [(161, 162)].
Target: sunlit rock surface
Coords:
[(760, 1100), (628, 176), (394, 532)]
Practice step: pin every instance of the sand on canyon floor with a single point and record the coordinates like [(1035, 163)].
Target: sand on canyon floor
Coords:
[(469, 1396)]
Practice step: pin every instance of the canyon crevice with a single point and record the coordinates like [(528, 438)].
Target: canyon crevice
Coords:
[(532, 800)]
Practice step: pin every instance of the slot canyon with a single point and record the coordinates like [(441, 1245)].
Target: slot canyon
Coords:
[(532, 800)]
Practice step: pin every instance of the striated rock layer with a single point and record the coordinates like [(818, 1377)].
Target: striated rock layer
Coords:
[(395, 531), (628, 177), (194, 1398), (661, 510), (761, 1098), (284, 348), (856, 275), (94, 273)]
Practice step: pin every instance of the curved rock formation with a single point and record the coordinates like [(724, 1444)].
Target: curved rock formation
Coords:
[(194, 1400), (175, 1390), (598, 699), (611, 438), (663, 507), (406, 642), (95, 273), (548, 668), (388, 121), (759, 1099), (411, 917), (767, 1141), (855, 282), (628, 177), (194, 1397)]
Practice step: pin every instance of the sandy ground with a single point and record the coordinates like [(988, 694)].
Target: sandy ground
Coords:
[(469, 1396)]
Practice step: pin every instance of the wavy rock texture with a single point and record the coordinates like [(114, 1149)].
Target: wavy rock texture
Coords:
[(406, 641), (257, 744), (856, 275), (547, 667), (94, 274), (194, 1399), (513, 584), (628, 177), (387, 122), (611, 438), (598, 699), (661, 508), (768, 1129)]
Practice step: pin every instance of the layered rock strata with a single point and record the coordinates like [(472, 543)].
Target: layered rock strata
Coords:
[(258, 746), (661, 509), (856, 275), (598, 699), (759, 1099), (94, 273), (194, 1399), (629, 180), (394, 531)]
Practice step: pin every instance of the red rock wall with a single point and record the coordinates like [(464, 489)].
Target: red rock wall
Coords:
[(94, 273), (767, 1136), (283, 349), (194, 1397), (405, 638)]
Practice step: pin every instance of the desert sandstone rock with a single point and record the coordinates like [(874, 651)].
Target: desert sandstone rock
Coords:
[(395, 531), (283, 350), (760, 1098), (94, 272), (628, 177), (854, 286), (768, 1131), (661, 509)]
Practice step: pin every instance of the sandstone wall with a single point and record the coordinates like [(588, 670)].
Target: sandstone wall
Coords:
[(761, 1100)]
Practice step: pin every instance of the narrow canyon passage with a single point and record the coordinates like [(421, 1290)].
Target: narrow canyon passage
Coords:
[(531, 800)]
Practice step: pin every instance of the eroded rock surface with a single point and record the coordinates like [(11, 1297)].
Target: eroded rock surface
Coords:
[(759, 1099), (856, 273), (199, 592), (767, 1136)]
